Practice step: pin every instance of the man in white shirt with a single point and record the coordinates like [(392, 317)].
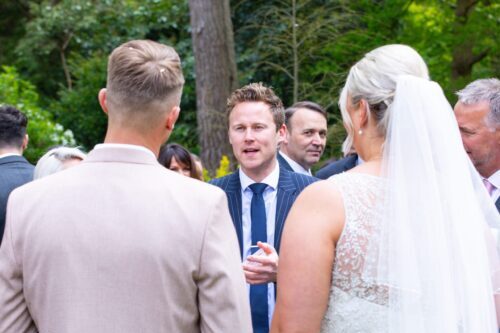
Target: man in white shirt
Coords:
[(260, 193), (478, 116), (305, 137)]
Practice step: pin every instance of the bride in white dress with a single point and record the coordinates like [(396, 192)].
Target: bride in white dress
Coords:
[(402, 242)]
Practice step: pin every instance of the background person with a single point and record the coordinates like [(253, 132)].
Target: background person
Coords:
[(15, 170), (178, 159), (305, 137), (58, 159), (478, 116), (260, 193), (199, 165)]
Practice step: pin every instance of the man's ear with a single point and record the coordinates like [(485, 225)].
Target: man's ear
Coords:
[(172, 117), (282, 134), (103, 100), (286, 135), (26, 140)]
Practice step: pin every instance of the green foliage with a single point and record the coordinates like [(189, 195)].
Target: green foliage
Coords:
[(62, 46), (224, 167), (331, 35), (13, 17), (65, 53), (71, 26), (79, 108), (287, 45), (206, 176), (42, 130), (431, 28), (431, 22)]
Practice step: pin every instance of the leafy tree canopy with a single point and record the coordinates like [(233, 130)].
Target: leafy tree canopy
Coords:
[(42, 130), (302, 48)]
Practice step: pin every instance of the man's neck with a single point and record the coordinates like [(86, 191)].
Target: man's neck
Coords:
[(489, 167), (131, 138), (257, 175), (11, 151), (487, 172), (296, 166)]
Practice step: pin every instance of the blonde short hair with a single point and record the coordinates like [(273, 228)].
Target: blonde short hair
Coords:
[(257, 92), (143, 76)]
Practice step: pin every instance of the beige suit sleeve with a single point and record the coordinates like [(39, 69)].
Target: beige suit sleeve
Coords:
[(14, 314), (223, 297)]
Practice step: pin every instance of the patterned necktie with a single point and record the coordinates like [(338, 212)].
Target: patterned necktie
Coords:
[(258, 293), (489, 186)]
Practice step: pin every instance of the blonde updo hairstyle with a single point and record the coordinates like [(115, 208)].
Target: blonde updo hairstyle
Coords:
[(54, 160), (373, 79)]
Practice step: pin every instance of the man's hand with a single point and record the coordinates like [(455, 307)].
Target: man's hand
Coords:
[(264, 268)]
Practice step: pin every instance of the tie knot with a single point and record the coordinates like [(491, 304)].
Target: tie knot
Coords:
[(258, 188)]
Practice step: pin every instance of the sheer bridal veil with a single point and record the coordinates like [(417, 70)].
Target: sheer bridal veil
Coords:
[(433, 249)]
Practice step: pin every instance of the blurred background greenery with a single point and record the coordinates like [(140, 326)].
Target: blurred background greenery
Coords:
[(53, 54)]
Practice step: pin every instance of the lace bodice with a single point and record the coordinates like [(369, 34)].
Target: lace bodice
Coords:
[(356, 305)]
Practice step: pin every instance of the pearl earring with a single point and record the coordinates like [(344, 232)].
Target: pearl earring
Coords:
[(360, 132)]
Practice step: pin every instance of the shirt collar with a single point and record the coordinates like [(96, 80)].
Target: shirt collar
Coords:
[(123, 145), (9, 154), (295, 166), (495, 179), (271, 180)]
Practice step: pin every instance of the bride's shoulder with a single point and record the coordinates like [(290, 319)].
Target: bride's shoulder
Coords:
[(323, 192), (321, 205)]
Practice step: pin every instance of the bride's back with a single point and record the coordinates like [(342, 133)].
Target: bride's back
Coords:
[(402, 253), (356, 305)]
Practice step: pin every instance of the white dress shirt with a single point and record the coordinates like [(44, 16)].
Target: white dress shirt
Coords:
[(494, 179), (270, 201), (296, 167)]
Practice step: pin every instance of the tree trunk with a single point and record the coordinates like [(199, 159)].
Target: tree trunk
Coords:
[(216, 77), (62, 54), (464, 57)]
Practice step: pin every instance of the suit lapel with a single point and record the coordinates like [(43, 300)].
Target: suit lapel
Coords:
[(286, 196), (233, 192), (498, 204)]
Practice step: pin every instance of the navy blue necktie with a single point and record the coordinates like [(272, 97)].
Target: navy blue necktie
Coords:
[(258, 293)]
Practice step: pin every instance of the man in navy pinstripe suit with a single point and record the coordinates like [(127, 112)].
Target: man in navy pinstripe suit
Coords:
[(256, 127)]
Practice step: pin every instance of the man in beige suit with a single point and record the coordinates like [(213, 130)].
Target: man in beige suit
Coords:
[(119, 243)]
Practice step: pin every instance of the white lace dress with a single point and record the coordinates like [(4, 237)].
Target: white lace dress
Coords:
[(355, 305)]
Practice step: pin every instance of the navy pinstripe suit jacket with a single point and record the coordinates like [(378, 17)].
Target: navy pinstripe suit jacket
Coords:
[(290, 184), (283, 163)]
